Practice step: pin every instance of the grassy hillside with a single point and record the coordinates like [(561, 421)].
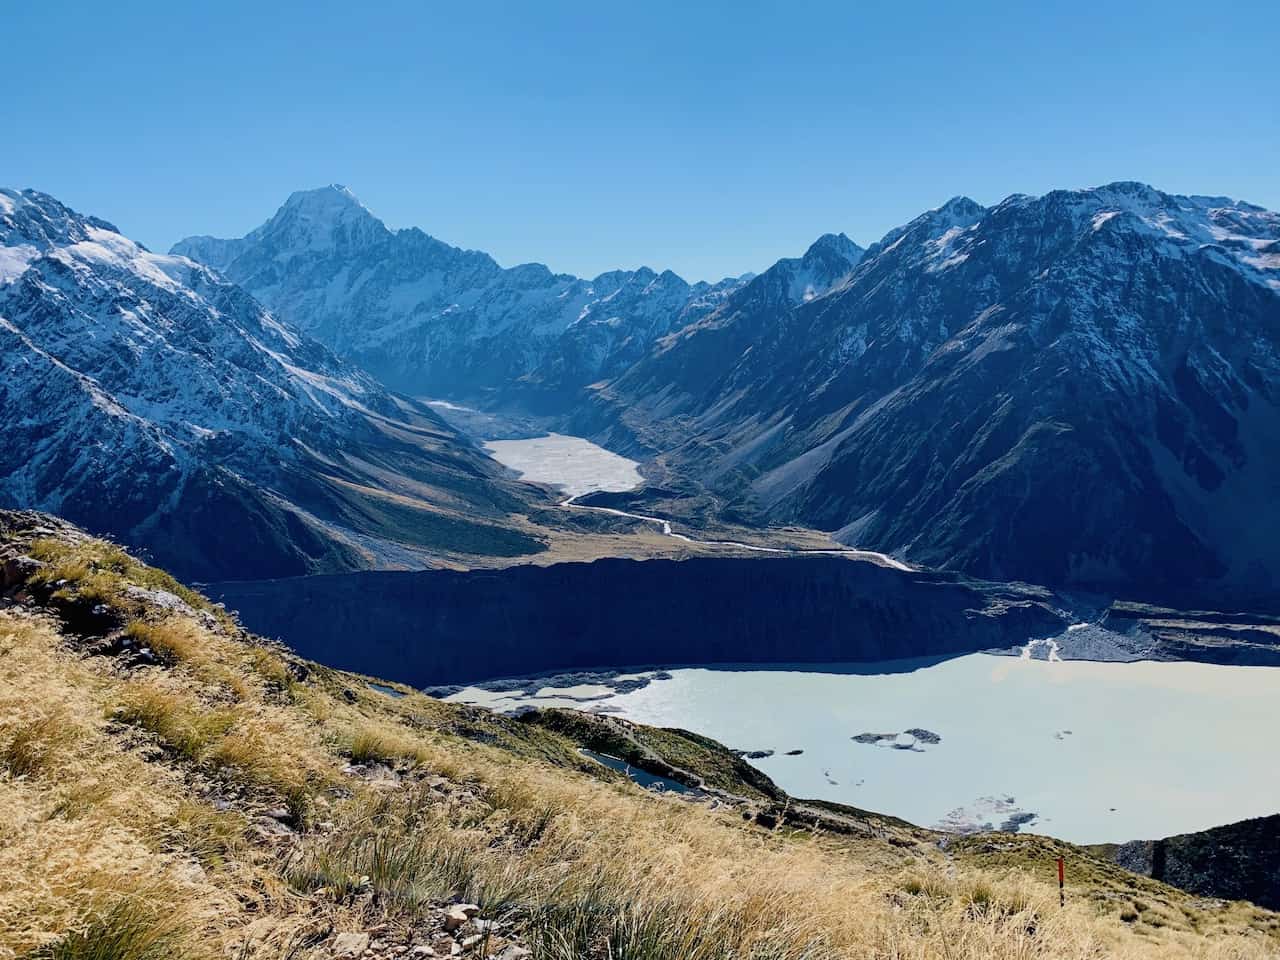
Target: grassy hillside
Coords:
[(171, 786)]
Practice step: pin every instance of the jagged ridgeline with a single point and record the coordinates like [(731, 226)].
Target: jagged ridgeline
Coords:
[(174, 787), (148, 397), (1079, 388), (427, 317)]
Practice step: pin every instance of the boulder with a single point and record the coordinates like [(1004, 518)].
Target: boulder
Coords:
[(16, 570), (349, 944), (457, 915)]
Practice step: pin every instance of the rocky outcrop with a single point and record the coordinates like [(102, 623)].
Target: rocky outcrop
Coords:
[(1239, 861), (447, 626), (1205, 636)]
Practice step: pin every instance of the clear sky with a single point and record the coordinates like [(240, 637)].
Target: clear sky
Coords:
[(711, 138)]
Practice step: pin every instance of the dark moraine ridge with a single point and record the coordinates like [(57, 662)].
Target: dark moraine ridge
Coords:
[(445, 626), (1234, 862)]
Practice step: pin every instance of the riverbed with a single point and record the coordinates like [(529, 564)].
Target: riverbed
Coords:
[(1089, 752)]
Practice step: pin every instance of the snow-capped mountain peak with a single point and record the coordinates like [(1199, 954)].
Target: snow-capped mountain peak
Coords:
[(32, 218), (837, 245), (431, 318), (1080, 387), (1241, 235), (959, 211), (798, 279), (325, 220), (331, 200)]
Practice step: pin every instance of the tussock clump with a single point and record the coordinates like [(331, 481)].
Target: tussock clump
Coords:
[(173, 641), (28, 749), (187, 731), (128, 930), (270, 667), (387, 746)]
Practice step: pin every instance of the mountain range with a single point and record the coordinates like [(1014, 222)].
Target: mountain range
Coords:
[(1080, 388), (1077, 389), (429, 318), (147, 396)]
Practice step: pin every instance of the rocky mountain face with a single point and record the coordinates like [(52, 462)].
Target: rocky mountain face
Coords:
[(147, 397), (1080, 388), (431, 319), (1233, 862)]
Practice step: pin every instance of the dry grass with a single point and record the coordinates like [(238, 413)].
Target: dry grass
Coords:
[(99, 571), (77, 831), (380, 745), (130, 929), (112, 845), (173, 641), (33, 747)]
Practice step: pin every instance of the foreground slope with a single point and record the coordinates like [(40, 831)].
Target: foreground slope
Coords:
[(171, 786), (1078, 388), (429, 318), (147, 397)]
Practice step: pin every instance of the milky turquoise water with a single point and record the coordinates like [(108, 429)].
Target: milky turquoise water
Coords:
[(1154, 748), (575, 465)]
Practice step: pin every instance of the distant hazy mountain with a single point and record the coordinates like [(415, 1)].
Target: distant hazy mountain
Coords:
[(148, 397), (428, 318), (1078, 388)]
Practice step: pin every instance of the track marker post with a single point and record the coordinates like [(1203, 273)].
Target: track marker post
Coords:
[(1062, 877)]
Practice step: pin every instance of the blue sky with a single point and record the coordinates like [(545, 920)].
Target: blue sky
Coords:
[(711, 138)]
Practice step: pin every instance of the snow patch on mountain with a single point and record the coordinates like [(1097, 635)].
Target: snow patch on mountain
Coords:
[(14, 260)]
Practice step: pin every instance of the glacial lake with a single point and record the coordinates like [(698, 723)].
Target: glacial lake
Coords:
[(575, 465), (1089, 752)]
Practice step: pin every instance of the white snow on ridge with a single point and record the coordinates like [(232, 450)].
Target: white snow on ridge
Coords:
[(14, 260), (946, 251), (1100, 219), (136, 337)]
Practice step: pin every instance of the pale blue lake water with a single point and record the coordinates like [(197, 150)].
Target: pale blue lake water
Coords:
[(573, 464), (1154, 749)]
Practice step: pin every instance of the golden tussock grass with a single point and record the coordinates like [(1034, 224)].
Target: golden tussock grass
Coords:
[(77, 830), (99, 572)]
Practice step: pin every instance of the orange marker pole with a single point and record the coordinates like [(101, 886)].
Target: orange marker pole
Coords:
[(1062, 879)]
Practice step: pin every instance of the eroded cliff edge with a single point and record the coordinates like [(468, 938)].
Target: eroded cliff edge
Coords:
[(448, 626)]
